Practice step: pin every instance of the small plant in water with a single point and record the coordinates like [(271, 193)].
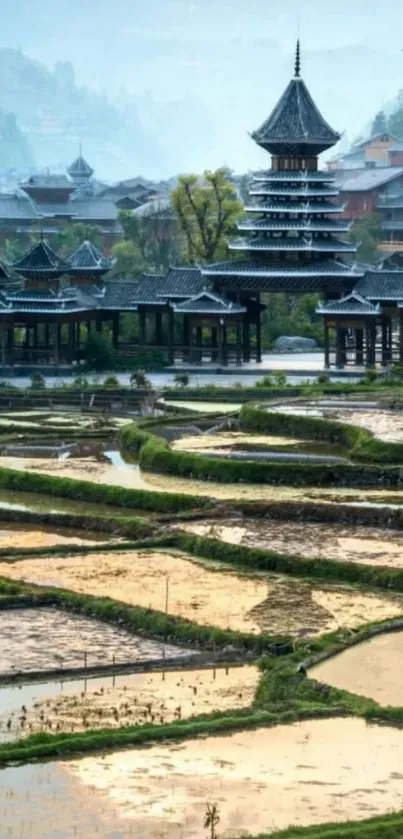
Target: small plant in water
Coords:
[(37, 381), (139, 379), (211, 819), (181, 379)]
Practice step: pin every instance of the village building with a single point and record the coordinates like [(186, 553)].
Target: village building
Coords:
[(292, 238)]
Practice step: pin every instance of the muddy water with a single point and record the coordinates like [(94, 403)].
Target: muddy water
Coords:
[(328, 541), (123, 700), (130, 475), (229, 439), (209, 593), (372, 669), (308, 773), (25, 536), (25, 642)]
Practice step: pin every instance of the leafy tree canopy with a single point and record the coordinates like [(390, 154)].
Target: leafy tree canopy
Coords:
[(366, 233), (206, 209), (379, 124)]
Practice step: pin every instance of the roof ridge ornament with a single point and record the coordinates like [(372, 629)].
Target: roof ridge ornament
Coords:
[(298, 60)]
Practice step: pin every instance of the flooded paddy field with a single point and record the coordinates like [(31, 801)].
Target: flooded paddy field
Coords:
[(237, 444), (383, 423), (14, 535), (48, 639), (371, 669), (307, 773), (210, 593), (118, 701), (370, 546)]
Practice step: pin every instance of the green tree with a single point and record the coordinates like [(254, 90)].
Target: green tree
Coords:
[(99, 353), (70, 236), (395, 121), (366, 233), (156, 236), (128, 261), (379, 124), (291, 315), (206, 209)]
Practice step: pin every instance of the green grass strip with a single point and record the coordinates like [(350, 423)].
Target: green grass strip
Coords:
[(381, 827)]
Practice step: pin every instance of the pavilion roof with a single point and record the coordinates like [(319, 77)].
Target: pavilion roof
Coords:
[(294, 176), (255, 268), (299, 205), (351, 304), (41, 259), (304, 244), (89, 258), (182, 282), (381, 285), (80, 168), (311, 225), (295, 121), (209, 303)]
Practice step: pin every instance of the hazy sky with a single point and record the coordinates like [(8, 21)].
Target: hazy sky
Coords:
[(229, 58)]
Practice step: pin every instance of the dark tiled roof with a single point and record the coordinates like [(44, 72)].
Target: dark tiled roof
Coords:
[(16, 207), (295, 121), (47, 181), (94, 209), (119, 295), (149, 289), (367, 179), (209, 303), (302, 191), (305, 284), (80, 168), (381, 285), (67, 300), (53, 209), (352, 304), (308, 226), (252, 268), (89, 258), (41, 259), (182, 282), (297, 176), (306, 207), (303, 244)]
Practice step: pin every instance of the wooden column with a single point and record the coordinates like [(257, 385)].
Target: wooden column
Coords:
[(3, 345), (371, 341), (170, 336), (99, 323), (359, 346), (214, 343), (246, 339), (56, 342), (401, 336), (385, 343), (327, 348), (258, 341), (142, 327), (11, 345), (71, 341), (115, 330), (186, 338), (339, 345), (220, 342), (239, 342), (224, 344), (158, 328), (199, 343)]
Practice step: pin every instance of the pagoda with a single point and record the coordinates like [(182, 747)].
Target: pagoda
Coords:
[(291, 238)]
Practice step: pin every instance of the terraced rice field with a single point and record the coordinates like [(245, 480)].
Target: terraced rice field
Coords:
[(262, 780), (368, 546), (371, 669), (209, 593), (47, 639), (119, 701), (25, 536)]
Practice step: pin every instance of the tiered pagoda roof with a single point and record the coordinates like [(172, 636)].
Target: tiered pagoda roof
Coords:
[(87, 259), (41, 262), (291, 239), (80, 169)]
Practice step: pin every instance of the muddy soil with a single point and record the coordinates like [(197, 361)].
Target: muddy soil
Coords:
[(25, 536), (372, 669), (338, 542), (210, 593), (124, 700), (264, 780), (43, 639)]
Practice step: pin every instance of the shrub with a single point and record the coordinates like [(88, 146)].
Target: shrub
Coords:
[(110, 381), (139, 379), (99, 353), (182, 379), (37, 382)]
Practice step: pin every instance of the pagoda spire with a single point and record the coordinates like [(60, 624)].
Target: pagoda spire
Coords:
[(298, 60)]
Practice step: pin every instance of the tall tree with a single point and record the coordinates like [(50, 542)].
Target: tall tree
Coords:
[(206, 209), (155, 234), (395, 122), (71, 235), (128, 260), (366, 233), (379, 124)]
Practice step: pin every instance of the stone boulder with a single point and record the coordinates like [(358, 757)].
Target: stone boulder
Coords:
[(295, 344)]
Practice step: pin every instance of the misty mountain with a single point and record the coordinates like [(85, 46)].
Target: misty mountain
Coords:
[(15, 149)]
